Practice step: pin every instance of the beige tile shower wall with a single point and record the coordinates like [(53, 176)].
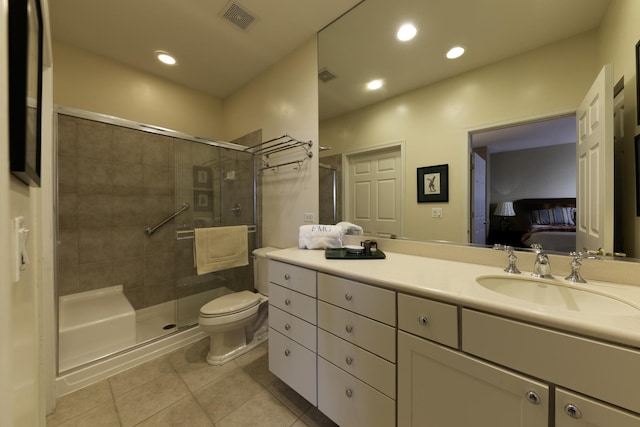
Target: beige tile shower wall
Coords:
[(113, 183)]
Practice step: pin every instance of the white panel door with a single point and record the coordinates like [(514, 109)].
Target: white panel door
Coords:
[(594, 156), (375, 192), (479, 191)]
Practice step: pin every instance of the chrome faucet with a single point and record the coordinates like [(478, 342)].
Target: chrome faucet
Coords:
[(575, 276), (511, 268), (541, 267)]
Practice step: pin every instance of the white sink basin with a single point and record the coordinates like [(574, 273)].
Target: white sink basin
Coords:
[(559, 295)]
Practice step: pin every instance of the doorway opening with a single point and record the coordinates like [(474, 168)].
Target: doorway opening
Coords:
[(517, 169)]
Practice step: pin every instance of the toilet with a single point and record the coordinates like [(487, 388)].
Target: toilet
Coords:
[(237, 322)]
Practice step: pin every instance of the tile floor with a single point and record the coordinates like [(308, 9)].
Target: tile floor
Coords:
[(181, 389)]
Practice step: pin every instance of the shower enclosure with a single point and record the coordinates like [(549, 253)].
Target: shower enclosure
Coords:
[(129, 198)]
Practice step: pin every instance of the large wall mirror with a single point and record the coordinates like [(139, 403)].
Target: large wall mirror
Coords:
[(509, 102)]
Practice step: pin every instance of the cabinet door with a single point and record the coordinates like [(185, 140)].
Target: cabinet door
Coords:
[(293, 364), (439, 387), (574, 410)]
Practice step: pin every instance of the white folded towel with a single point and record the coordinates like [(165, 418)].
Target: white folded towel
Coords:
[(350, 228), (320, 236), (220, 248)]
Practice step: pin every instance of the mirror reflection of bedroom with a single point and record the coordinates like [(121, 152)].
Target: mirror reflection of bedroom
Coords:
[(529, 190)]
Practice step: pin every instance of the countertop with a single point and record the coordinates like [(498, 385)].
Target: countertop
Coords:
[(454, 282)]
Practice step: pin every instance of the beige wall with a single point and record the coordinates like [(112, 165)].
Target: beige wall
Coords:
[(93, 83), (435, 121), (617, 38), (283, 100)]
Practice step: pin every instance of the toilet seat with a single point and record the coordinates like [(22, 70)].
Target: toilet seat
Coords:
[(230, 304)]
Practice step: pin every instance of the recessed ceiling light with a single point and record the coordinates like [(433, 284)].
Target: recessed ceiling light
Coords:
[(374, 84), (406, 32), (165, 58), (455, 52)]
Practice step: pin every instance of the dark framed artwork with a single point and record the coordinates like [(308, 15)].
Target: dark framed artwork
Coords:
[(637, 144), (202, 177), (202, 200), (25, 36), (638, 82), (433, 184)]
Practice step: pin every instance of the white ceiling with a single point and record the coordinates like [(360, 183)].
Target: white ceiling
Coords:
[(362, 45), (214, 56)]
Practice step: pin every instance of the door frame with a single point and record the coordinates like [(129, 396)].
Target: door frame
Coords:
[(495, 126), (347, 158)]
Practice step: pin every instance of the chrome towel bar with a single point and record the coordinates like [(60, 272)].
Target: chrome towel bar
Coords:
[(149, 230)]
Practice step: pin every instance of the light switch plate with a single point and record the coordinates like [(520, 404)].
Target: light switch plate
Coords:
[(436, 212), (308, 217)]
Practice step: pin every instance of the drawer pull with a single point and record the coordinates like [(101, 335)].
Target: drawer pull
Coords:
[(572, 410), (287, 277), (533, 397), (287, 301), (349, 360), (423, 320), (287, 352), (287, 327), (348, 392), (348, 297), (349, 328)]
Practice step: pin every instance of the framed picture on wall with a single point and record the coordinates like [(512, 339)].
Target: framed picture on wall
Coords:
[(433, 184), (637, 144), (638, 82), (202, 177), (25, 36), (202, 200)]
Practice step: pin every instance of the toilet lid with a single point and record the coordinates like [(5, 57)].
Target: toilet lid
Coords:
[(231, 303)]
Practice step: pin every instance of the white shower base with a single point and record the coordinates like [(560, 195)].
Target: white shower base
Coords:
[(151, 338)]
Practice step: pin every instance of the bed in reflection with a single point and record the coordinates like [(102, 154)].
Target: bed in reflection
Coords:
[(549, 222)]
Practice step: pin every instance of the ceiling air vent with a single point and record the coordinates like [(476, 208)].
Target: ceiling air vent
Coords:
[(235, 14), (325, 75)]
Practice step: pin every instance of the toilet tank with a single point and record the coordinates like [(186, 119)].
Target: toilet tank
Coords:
[(260, 269)]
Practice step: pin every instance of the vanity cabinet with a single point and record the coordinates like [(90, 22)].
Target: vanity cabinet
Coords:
[(438, 386), (292, 327), (356, 352)]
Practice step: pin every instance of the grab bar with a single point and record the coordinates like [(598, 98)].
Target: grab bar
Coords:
[(149, 231)]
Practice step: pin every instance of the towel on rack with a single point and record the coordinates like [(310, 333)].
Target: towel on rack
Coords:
[(320, 236), (220, 248)]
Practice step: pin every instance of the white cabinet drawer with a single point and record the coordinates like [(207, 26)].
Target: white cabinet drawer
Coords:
[(291, 326), (574, 410), (603, 371), (293, 302), (363, 365), (290, 276), (293, 364), (370, 301), (350, 402), (428, 319), (374, 336)]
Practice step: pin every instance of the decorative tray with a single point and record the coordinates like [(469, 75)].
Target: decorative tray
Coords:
[(342, 253)]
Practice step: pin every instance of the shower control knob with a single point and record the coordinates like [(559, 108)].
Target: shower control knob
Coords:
[(287, 276), (287, 352), (348, 297), (287, 301), (287, 327), (348, 328), (349, 360)]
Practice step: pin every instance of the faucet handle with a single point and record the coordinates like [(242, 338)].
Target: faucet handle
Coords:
[(575, 263), (511, 268)]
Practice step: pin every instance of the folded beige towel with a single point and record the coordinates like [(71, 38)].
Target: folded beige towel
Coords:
[(220, 248)]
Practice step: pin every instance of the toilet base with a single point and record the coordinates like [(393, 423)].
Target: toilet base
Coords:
[(228, 346)]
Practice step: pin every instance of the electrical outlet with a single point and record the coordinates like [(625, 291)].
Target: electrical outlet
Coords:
[(436, 212), (308, 217)]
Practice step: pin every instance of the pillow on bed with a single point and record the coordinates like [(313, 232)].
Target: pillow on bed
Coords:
[(554, 216)]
